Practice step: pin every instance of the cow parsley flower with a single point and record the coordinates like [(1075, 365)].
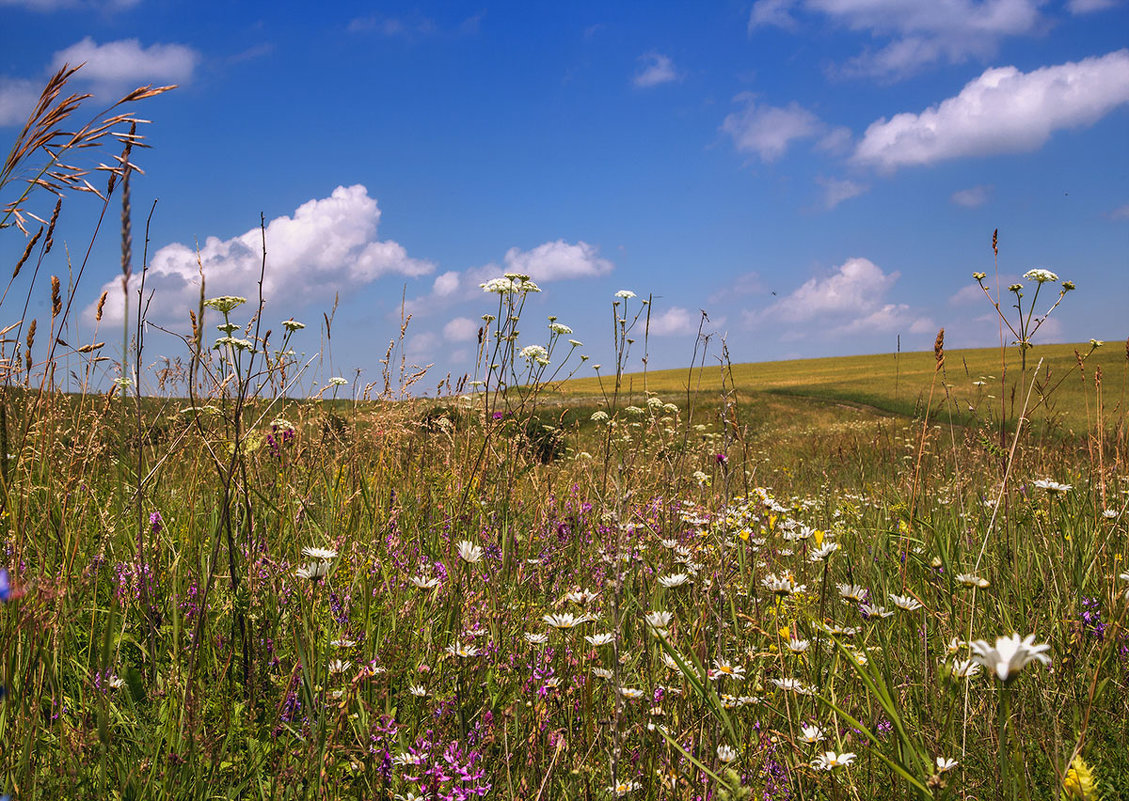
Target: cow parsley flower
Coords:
[(1040, 275)]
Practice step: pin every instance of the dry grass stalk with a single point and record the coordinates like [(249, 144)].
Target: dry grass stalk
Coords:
[(46, 131)]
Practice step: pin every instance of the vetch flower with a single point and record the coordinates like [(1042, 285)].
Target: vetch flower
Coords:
[(1010, 654)]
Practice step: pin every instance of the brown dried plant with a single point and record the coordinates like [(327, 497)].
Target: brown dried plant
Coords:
[(47, 133)]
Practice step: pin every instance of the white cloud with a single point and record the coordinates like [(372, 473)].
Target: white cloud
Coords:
[(835, 191), (551, 261), (445, 283), (1120, 213), (17, 99), (1089, 6), (328, 246), (1002, 111), (971, 293), (851, 301), (768, 130), (914, 33), (972, 197), (557, 261), (675, 320), (126, 61), (461, 329), (856, 288), (776, 13), (655, 69)]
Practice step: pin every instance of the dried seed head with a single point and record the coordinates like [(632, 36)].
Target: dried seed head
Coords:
[(939, 347), (27, 252), (995, 241), (51, 226), (56, 297), (98, 311)]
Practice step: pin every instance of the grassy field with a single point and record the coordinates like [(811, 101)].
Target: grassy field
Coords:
[(972, 384), (809, 580)]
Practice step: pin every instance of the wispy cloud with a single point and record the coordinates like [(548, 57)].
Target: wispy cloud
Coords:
[(17, 98), (675, 321), (1120, 213), (46, 6), (1089, 6), (972, 197), (328, 246), (1002, 111), (912, 34), (836, 190), (655, 69), (767, 131), (126, 61)]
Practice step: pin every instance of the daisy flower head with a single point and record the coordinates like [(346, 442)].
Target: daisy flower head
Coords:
[(659, 620), (469, 552), (811, 734), (852, 592), (324, 554), (462, 651), (823, 551), (722, 667), (314, 571), (674, 580), (726, 753), (964, 668), (598, 640), (1009, 655), (971, 580), (1052, 487), (623, 788), (536, 637), (631, 693), (905, 602), (829, 760), (870, 611), (944, 764), (565, 620), (797, 646), (425, 582)]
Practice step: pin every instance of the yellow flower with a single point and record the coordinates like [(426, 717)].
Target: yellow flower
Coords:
[(817, 535), (1079, 781)]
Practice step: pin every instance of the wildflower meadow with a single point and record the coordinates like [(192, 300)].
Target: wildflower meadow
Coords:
[(689, 585)]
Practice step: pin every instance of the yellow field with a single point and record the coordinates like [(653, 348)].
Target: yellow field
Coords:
[(899, 383)]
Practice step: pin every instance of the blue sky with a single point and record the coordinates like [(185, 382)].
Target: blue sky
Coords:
[(821, 177)]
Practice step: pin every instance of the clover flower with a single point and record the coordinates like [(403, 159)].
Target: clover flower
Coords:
[(1009, 655)]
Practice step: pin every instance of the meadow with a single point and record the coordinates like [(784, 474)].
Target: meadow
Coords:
[(866, 578)]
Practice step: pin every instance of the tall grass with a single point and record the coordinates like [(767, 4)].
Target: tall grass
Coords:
[(219, 591)]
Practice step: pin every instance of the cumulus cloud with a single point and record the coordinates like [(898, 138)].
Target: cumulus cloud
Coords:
[(912, 33), (971, 293), (126, 61), (551, 261), (972, 197), (557, 261), (852, 300), (655, 69), (767, 131), (17, 99), (674, 321), (835, 191), (461, 329), (328, 246), (1002, 111)]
